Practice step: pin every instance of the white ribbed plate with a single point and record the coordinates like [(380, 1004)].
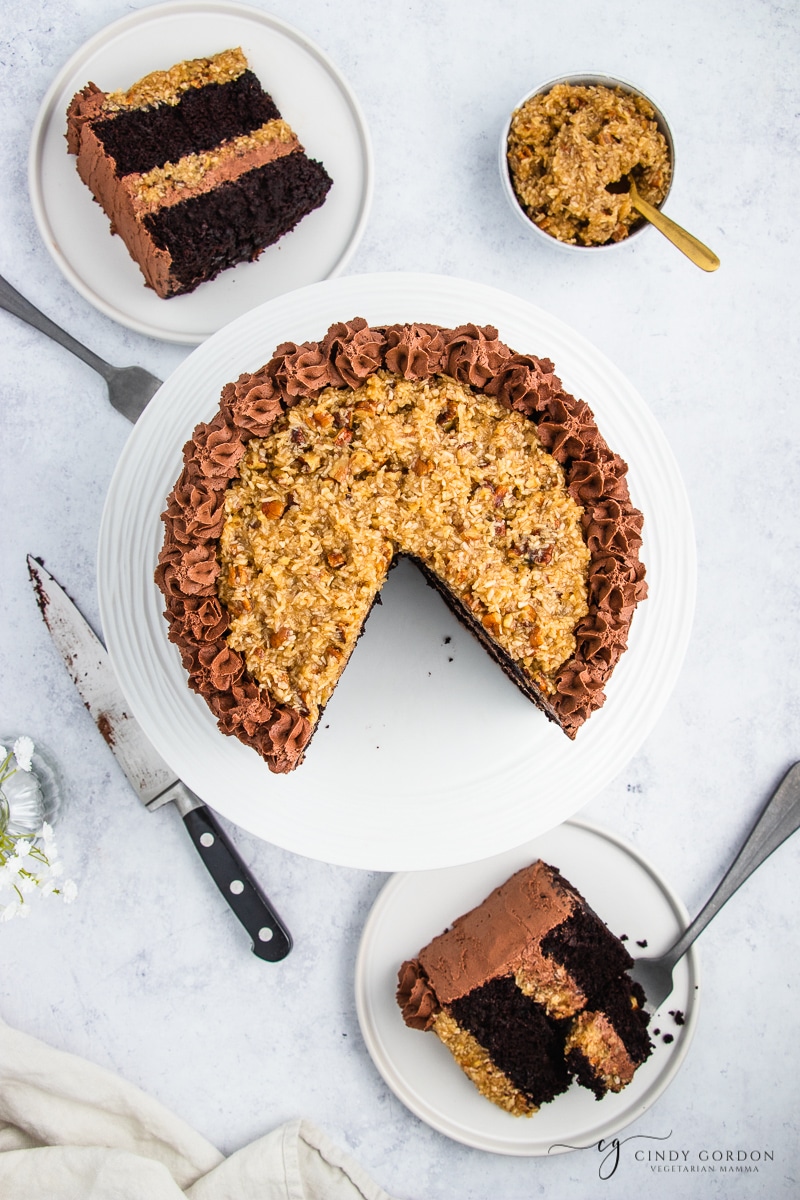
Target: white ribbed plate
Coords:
[(312, 96), (630, 896), (427, 755)]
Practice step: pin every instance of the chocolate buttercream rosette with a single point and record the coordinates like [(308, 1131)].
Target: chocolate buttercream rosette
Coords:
[(188, 564)]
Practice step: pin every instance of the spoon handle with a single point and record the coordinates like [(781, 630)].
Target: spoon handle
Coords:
[(700, 255), (14, 302), (780, 819)]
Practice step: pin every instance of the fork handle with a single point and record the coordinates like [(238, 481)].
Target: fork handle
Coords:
[(779, 819), (15, 303)]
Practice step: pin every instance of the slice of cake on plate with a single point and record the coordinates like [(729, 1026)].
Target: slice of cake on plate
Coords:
[(195, 167), (529, 991)]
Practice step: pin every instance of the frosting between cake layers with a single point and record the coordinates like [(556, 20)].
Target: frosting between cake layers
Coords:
[(346, 356), (195, 174)]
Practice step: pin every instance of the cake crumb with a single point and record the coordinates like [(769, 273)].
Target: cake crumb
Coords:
[(642, 943), (668, 1038), (677, 1016)]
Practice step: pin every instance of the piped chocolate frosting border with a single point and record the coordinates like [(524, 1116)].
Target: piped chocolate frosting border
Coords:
[(188, 565)]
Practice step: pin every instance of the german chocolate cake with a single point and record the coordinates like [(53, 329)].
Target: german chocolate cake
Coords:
[(195, 168), (529, 991), (336, 458)]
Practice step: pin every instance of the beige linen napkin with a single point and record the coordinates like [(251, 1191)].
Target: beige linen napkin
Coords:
[(70, 1130)]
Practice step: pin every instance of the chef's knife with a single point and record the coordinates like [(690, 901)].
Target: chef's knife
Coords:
[(87, 661)]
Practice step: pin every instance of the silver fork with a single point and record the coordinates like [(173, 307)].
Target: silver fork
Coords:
[(129, 388), (780, 819)]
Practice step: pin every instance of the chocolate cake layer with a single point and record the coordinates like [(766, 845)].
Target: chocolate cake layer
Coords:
[(139, 139), (238, 218), (598, 962), (526, 1045)]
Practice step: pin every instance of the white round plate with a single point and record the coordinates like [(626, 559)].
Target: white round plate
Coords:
[(427, 755), (627, 893), (311, 95)]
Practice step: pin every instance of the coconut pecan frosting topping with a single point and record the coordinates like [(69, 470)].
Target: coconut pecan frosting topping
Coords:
[(349, 353)]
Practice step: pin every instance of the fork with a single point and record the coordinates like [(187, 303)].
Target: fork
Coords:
[(779, 819), (129, 388)]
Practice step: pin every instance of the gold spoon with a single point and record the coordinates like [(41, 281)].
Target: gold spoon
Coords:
[(700, 255)]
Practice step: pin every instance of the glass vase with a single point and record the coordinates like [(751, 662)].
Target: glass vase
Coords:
[(29, 798)]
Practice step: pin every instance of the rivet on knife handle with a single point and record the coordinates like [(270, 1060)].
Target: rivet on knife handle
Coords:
[(271, 939)]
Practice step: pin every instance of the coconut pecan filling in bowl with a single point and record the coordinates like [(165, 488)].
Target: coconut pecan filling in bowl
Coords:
[(338, 457), (571, 151)]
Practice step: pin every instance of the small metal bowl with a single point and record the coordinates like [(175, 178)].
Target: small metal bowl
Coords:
[(581, 80)]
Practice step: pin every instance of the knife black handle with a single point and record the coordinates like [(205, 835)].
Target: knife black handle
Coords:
[(271, 939)]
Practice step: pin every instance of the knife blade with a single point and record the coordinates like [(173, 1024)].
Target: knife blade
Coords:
[(89, 666)]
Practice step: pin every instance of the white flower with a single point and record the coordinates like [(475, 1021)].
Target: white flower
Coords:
[(23, 752), (22, 849), (69, 891), (10, 911), (27, 883), (3, 753), (56, 869), (12, 868), (47, 834)]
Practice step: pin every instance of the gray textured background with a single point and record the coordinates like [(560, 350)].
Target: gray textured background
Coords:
[(165, 993)]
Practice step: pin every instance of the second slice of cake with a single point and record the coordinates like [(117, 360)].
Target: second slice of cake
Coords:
[(195, 167), (528, 991)]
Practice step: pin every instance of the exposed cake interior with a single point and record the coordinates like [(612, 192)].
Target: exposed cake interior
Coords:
[(195, 167), (529, 991)]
